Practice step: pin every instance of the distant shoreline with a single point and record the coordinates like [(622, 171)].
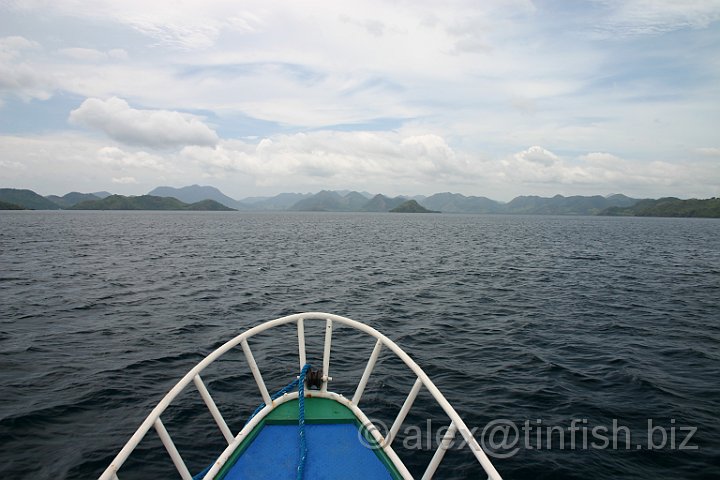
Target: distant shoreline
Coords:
[(199, 198)]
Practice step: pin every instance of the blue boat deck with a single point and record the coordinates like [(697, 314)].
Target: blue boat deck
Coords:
[(334, 451), (336, 447)]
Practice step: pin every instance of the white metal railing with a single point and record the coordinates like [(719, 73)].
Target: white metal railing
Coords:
[(422, 380)]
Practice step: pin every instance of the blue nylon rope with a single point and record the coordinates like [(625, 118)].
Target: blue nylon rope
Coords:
[(286, 389), (300, 384), (301, 422)]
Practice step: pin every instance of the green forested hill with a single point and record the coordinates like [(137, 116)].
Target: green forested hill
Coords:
[(147, 202), (411, 206), (669, 207), (72, 198), (10, 206), (27, 199)]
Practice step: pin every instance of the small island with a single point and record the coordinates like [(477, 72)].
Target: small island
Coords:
[(411, 206)]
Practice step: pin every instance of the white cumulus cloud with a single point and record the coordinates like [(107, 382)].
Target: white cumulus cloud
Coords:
[(93, 55), (650, 17), (335, 157), (19, 76), (117, 157), (709, 151), (536, 154), (11, 165), (124, 180), (152, 128)]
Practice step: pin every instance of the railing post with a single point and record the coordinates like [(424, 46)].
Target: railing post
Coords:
[(301, 342), (440, 452), (326, 355), (403, 411), (172, 450), (213, 409), (256, 373), (366, 374)]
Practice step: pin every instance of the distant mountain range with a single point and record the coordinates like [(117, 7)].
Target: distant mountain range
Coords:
[(282, 201), (559, 205), (381, 203), (456, 203), (147, 202), (196, 193), (327, 201), (196, 197), (19, 199), (70, 199)]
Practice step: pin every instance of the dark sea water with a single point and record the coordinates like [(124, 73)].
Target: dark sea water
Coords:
[(516, 319)]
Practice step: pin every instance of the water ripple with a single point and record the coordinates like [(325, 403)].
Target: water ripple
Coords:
[(519, 318)]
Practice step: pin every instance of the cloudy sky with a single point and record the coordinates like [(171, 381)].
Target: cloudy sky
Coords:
[(494, 98)]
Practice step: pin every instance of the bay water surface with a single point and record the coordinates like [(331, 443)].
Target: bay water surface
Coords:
[(528, 323)]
